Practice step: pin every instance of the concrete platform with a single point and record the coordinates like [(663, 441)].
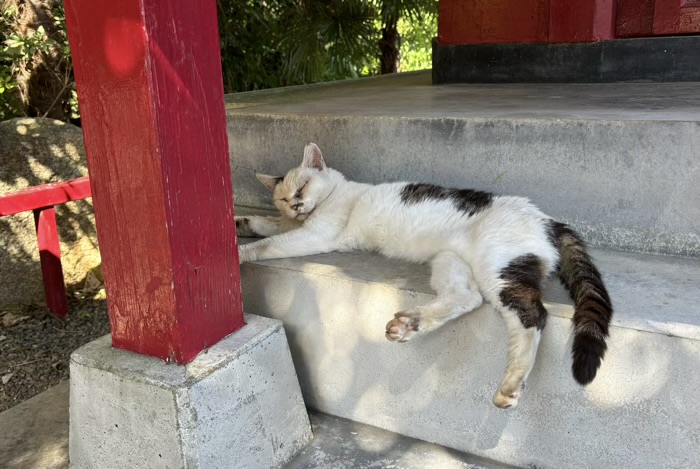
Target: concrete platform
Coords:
[(236, 405), (438, 387), (618, 161), (35, 436)]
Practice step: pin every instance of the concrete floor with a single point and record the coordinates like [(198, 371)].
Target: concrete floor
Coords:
[(34, 435), (412, 95)]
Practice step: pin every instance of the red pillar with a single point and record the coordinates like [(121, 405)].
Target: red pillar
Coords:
[(525, 21), (151, 98)]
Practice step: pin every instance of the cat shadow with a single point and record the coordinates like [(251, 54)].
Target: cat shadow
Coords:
[(347, 367)]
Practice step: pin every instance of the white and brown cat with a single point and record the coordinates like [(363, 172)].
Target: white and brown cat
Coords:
[(479, 246)]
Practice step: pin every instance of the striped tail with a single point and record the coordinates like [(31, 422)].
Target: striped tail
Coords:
[(592, 307)]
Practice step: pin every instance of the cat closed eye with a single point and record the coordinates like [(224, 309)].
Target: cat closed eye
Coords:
[(299, 192)]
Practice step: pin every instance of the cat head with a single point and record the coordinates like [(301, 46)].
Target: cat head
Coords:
[(297, 194)]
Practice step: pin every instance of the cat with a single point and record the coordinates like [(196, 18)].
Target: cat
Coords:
[(479, 246)]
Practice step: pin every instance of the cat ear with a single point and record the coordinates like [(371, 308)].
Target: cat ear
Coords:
[(313, 157), (269, 181)]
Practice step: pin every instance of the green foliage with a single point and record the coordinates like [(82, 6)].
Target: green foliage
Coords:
[(22, 55), (393, 10), (271, 43), (329, 40), (250, 32), (416, 42), (10, 104)]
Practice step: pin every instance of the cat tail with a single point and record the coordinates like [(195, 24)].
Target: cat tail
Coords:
[(592, 307)]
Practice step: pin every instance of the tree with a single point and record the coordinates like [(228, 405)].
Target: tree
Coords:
[(328, 39), (346, 35), (391, 12)]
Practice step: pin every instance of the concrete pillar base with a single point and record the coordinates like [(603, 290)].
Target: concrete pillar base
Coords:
[(236, 406)]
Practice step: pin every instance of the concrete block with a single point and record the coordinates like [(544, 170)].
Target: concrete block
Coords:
[(438, 387), (236, 406)]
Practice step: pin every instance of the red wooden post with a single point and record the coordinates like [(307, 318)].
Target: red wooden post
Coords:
[(525, 21), (493, 21), (677, 17), (151, 97), (50, 257), (635, 18), (582, 20)]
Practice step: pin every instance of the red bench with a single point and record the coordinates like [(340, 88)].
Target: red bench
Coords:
[(41, 200)]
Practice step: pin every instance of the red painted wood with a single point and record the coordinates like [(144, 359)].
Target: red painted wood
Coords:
[(676, 17), (493, 21), (634, 18), (151, 95), (46, 195), (582, 20), (50, 258)]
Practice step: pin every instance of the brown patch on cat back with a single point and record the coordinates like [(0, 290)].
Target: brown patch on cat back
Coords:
[(269, 181), (465, 200), (521, 292), (313, 157)]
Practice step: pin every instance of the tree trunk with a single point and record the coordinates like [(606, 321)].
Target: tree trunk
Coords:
[(390, 47)]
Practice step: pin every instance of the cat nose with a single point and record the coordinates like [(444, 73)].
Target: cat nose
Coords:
[(297, 205)]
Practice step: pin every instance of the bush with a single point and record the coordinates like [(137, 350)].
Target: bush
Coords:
[(36, 72)]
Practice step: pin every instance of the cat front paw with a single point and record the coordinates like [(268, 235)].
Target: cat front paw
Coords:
[(402, 327), (243, 228)]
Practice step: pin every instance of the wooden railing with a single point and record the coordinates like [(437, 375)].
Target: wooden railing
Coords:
[(42, 200)]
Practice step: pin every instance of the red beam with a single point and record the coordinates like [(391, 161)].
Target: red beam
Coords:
[(151, 99), (50, 257), (46, 195)]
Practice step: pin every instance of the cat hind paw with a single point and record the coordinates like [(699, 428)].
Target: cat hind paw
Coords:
[(507, 398), (402, 327)]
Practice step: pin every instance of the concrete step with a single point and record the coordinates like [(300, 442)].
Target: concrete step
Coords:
[(639, 412), (344, 444), (618, 161)]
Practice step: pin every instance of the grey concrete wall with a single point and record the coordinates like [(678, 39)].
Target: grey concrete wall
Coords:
[(625, 184)]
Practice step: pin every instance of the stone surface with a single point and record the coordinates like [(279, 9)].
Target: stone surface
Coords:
[(618, 161), (35, 152), (39, 440), (34, 434), (344, 444), (438, 387), (237, 405)]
